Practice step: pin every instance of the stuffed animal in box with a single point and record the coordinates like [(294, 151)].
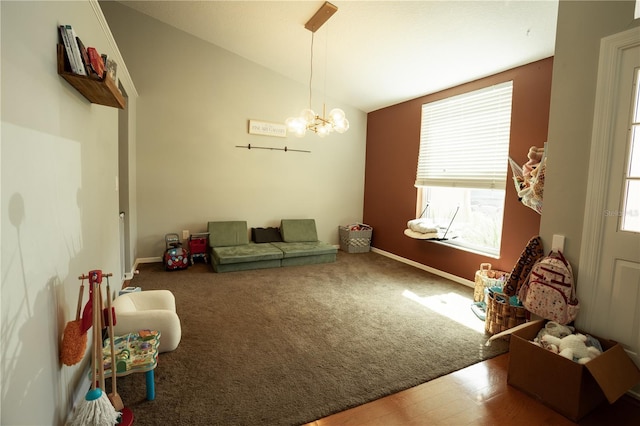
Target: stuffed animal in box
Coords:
[(554, 329), (573, 347)]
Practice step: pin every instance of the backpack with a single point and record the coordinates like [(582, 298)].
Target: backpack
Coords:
[(549, 290)]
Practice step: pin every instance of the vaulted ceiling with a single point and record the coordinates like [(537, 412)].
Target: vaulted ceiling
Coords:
[(372, 54)]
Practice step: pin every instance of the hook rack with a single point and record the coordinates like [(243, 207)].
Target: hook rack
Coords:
[(285, 149), (86, 277)]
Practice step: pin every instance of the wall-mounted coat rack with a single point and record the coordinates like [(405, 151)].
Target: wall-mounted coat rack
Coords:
[(285, 149)]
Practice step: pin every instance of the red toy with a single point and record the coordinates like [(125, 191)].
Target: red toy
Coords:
[(198, 247), (175, 257)]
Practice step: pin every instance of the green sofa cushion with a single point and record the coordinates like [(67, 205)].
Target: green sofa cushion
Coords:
[(229, 233), (313, 248), (298, 230), (309, 260), (250, 252), (246, 266)]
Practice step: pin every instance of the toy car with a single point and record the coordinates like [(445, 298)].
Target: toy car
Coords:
[(175, 257)]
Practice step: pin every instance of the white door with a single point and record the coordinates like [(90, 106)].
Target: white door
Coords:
[(609, 277), (618, 290)]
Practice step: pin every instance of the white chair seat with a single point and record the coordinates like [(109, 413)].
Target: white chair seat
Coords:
[(153, 310)]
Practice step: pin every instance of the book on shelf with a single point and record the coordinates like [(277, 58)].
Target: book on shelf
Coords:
[(96, 61), (75, 49), (67, 48), (84, 56)]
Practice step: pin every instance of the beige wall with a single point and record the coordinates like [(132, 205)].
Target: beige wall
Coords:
[(195, 103), (581, 25), (59, 215)]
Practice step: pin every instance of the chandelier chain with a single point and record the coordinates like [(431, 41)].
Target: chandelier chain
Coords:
[(326, 54), (311, 73)]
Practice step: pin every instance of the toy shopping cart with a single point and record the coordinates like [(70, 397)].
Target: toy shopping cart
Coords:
[(198, 247)]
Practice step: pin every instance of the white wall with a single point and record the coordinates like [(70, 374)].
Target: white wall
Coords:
[(59, 205), (194, 106), (581, 26)]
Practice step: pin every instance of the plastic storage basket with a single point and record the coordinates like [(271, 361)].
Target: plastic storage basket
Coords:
[(355, 238)]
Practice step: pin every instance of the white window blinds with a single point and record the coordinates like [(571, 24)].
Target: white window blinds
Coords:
[(464, 139)]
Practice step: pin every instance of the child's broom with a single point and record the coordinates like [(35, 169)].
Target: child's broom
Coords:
[(96, 409), (113, 396)]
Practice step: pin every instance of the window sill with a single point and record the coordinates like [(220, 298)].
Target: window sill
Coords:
[(459, 245)]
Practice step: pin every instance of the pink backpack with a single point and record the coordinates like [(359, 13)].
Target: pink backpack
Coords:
[(549, 290)]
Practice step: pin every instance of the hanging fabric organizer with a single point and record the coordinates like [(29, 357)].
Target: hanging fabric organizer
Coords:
[(529, 179)]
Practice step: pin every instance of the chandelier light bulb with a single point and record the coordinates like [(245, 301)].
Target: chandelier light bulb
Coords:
[(290, 123), (308, 116), (323, 130), (296, 125), (342, 126), (336, 115)]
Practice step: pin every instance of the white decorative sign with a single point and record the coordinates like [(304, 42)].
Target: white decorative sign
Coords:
[(267, 129)]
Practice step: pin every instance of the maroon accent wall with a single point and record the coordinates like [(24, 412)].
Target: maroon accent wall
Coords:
[(393, 140)]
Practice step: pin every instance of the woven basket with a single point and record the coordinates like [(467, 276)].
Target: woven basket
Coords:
[(355, 241), (501, 315), (487, 278)]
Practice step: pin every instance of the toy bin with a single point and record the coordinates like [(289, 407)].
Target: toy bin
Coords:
[(355, 238)]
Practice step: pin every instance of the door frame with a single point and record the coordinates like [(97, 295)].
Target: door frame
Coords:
[(611, 50)]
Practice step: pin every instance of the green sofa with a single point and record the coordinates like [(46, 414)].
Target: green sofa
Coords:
[(231, 249)]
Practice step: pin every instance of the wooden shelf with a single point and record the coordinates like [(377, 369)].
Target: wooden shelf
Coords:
[(98, 91)]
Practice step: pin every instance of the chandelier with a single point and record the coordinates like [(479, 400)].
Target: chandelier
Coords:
[(308, 119)]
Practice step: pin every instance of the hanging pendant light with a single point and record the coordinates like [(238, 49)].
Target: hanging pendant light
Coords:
[(336, 121)]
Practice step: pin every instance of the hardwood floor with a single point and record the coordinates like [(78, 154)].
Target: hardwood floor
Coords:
[(476, 395)]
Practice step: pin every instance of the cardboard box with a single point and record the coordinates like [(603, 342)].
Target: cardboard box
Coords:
[(570, 388)]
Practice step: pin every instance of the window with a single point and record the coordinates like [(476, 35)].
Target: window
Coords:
[(462, 165), (631, 197)]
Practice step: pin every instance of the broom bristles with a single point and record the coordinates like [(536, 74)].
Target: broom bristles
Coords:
[(95, 410)]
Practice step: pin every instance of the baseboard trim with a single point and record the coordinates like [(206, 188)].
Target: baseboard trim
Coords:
[(434, 271), (147, 260)]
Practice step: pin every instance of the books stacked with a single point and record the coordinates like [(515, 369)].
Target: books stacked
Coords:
[(83, 60)]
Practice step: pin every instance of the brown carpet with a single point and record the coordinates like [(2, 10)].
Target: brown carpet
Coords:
[(290, 345)]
